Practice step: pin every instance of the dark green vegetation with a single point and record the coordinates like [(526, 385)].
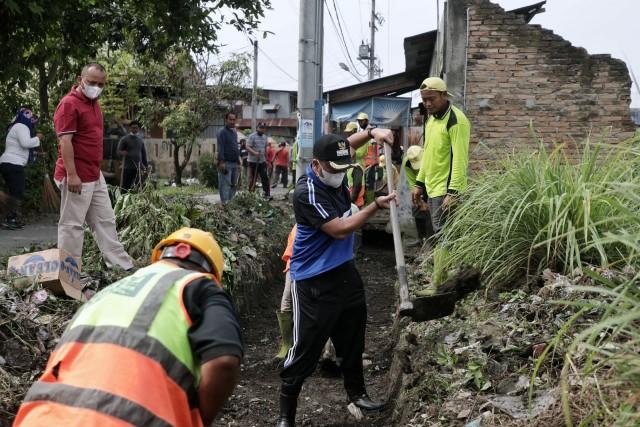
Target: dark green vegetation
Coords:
[(553, 339)]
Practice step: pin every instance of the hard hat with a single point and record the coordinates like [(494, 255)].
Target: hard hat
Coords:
[(434, 83), (351, 127), (381, 161), (414, 155), (362, 116), (201, 241)]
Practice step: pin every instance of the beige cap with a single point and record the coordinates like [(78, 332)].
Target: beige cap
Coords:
[(362, 116), (381, 161), (434, 83), (351, 127), (414, 155)]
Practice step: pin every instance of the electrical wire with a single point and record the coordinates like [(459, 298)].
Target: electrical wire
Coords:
[(339, 16), (277, 66), (343, 45), (342, 34)]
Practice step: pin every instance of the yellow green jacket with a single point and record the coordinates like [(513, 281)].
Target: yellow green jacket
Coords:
[(445, 160)]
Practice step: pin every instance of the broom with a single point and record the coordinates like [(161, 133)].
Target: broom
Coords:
[(50, 197), (4, 202)]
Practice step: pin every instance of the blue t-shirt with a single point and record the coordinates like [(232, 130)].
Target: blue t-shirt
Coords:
[(314, 204)]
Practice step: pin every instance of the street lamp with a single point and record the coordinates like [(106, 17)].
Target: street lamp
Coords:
[(348, 70)]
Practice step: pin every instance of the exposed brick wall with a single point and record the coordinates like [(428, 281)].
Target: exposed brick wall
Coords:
[(517, 73)]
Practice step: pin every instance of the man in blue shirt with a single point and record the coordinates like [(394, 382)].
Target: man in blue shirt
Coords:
[(327, 291), (228, 158)]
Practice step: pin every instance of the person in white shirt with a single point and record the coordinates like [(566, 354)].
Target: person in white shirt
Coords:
[(20, 142)]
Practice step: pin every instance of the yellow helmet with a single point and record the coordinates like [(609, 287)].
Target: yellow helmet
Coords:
[(351, 127), (201, 241)]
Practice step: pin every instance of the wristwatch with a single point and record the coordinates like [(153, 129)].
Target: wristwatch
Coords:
[(369, 132)]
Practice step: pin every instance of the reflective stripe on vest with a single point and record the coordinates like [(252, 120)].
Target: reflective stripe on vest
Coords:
[(126, 354)]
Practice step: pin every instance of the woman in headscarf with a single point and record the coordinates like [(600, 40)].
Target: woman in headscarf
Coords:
[(19, 150)]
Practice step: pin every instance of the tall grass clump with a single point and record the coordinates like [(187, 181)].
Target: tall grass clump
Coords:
[(544, 211), (600, 379)]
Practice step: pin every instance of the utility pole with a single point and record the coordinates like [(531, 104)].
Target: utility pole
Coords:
[(372, 56), (367, 51), (254, 90), (309, 79)]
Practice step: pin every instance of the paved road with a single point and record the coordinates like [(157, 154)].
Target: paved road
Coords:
[(277, 193), (45, 229), (41, 230)]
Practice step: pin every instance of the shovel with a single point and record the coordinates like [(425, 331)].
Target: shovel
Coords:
[(423, 308)]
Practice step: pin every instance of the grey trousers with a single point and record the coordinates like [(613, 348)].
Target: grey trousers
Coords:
[(92, 206), (438, 215)]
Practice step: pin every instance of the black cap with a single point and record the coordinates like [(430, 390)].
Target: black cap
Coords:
[(261, 125), (333, 149)]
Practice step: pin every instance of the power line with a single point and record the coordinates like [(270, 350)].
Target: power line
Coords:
[(271, 60), (343, 45), (339, 16), (277, 66), (343, 38)]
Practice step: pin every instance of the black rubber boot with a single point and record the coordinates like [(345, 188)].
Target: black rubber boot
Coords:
[(364, 402), (357, 392), (288, 406)]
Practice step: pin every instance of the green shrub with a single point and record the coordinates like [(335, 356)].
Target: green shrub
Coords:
[(542, 210), (142, 220), (607, 351), (208, 171)]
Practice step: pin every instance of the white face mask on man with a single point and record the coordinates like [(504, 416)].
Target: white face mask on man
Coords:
[(331, 179), (91, 92)]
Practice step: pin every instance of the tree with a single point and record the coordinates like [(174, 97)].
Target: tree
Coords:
[(197, 91), (45, 42)]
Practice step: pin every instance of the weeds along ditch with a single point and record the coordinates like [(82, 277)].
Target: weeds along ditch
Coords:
[(553, 338), (251, 232)]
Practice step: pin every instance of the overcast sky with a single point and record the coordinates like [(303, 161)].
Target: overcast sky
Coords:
[(600, 27)]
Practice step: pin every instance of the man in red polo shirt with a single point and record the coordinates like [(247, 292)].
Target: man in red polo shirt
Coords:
[(78, 124)]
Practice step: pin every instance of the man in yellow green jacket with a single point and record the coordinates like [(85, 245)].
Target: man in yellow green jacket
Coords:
[(445, 160)]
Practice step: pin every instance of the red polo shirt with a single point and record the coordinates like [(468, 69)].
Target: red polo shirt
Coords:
[(80, 116), (282, 156)]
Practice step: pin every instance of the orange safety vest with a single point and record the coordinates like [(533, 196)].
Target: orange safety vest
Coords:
[(360, 199), (371, 158), (124, 360), (286, 256)]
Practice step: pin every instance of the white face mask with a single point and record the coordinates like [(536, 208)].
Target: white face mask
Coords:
[(332, 179), (91, 92)]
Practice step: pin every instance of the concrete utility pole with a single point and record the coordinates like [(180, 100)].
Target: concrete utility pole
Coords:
[(309, 78), (372, 55), (254, 90)]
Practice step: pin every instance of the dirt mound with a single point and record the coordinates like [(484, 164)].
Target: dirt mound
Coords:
[(496, 361)]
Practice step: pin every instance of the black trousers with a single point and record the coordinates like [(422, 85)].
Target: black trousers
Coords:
[(14, 177), (132, 178), (259, 168), (330, 305), (282, 175)]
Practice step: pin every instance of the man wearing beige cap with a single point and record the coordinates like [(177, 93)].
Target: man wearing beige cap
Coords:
[(445, 160)]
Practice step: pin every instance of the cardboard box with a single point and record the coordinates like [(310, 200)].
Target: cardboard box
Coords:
[(54, 268)]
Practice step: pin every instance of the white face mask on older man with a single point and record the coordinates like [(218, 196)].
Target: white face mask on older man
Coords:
[(91, 92), (331, 179)]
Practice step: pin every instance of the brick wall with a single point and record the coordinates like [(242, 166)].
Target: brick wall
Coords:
[(519, 73)]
